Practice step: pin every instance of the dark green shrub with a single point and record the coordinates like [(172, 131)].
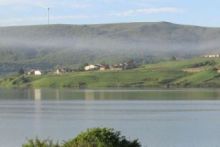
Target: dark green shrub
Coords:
[(205, 63), (21, 71), (101, 137)]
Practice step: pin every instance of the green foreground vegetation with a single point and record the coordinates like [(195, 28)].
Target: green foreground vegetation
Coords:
[(196, 72), (97, 137)]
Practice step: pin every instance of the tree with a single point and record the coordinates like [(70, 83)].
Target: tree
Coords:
[(21, 71), (81, 67), (101, 137), (173, 58)]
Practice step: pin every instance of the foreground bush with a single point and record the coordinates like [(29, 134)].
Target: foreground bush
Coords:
[(97, 137), (40, 143), (101, 137)]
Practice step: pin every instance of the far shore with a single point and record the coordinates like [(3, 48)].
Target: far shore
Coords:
[(192, 73)]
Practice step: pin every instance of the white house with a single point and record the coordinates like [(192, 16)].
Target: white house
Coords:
[(35, 72), (59, 71), (90, 67)]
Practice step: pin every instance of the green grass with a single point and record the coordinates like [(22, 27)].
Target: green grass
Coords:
[(169, 73)]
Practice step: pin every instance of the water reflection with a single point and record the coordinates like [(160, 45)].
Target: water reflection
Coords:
[(118, 94), (89, 95), (37, 95), (57, 91), (37, 111)]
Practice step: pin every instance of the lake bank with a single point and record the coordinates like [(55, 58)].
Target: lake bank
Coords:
[(192, 73)]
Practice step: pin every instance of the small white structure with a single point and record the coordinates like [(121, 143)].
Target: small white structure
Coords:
[(212, 56), (102, 68), (59, 71), (35, 72), (90, 67)]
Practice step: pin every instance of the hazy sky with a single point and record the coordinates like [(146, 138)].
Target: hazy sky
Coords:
[(26, 12)]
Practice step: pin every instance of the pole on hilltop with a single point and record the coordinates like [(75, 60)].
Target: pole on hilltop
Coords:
[(48, 16)]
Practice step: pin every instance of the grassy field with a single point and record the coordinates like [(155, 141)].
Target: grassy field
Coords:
[(202, 73)]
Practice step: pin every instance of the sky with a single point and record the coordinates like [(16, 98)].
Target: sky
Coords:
[(34, 12)]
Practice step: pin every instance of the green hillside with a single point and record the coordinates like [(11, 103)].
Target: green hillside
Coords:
[(197, 72), (46, 46)]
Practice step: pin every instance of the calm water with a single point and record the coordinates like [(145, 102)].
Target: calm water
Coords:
[(159, 118)]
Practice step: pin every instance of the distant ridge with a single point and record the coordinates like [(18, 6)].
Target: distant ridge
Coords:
[(100, 24), (46, 46)]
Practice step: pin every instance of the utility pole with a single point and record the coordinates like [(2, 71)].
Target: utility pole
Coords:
[(48, 15)]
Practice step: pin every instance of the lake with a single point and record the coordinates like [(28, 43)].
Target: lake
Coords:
[(158, 118)]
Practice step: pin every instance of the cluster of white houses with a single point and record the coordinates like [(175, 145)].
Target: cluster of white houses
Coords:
[(37, 72), (96, 67), (211, 56), (115, 67), (103, 67), (89, 67)]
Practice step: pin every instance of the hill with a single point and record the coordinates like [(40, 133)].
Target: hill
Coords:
[(197, 72), (46, 46)]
